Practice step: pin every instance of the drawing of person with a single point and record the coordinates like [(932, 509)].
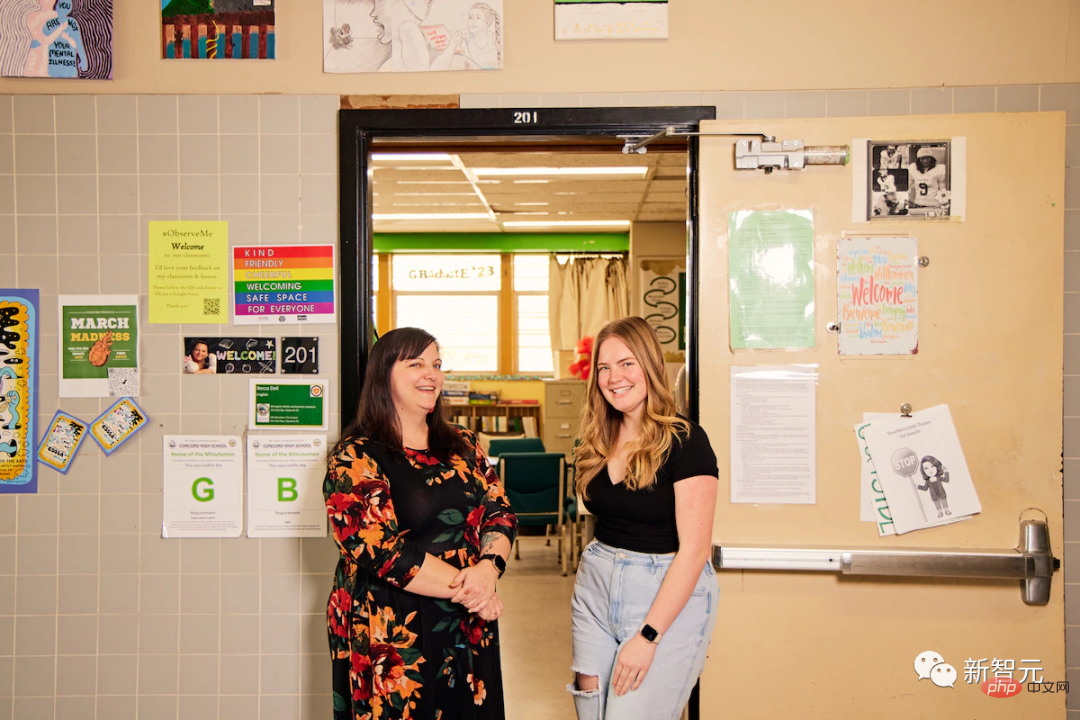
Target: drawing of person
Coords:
[(481, 49), (934, 475), (199, 360), (66, 54), (9, 444), (398, 22), (9, 406), (37, 57)]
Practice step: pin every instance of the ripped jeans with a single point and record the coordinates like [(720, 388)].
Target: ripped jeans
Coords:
[(613, 593)]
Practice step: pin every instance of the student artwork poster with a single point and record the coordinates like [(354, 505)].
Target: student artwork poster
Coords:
[(19, 360), (56, 39), (61, 442), (412, 35)]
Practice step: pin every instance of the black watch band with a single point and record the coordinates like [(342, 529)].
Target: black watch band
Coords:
[(498, 561)]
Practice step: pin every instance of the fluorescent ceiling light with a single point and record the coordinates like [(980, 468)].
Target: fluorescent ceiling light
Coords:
[(560, 171), (526, 182), (432, 182), (567, 223), (410, 157), (537, 204), (430, 216)]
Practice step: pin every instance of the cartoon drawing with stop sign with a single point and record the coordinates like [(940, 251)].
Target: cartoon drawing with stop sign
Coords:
[(934, 474), (906, 463)]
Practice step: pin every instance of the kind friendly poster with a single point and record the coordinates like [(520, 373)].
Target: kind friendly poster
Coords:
[(99, 345), (189, 272), (204, 486), (412, 35), (285, 476), (62, 39), (877, 293), (19, 361), (283, 284)]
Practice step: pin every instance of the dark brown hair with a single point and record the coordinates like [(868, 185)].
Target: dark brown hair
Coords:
[(376, 417)]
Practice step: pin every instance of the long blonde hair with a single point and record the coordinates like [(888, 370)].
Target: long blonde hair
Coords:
[(600, 422)]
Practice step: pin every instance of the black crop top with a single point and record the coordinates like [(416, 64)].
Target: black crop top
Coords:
[(644, 520)]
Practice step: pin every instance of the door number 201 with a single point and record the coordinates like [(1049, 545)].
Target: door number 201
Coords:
[(526, 117)]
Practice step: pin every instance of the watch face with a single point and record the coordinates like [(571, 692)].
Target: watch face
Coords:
[(649, 633)]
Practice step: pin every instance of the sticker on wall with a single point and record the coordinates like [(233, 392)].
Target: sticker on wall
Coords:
[(203, 486), (289, 404), (61, 442), (229, 356), (189, 272), (116, 425), (908, 180), (19, 360), (284, 483), (283, 284), (877, 295), (218, 29), (299, 355), (662, 284), (624, 20), (412, 35), (65, 39), (99, 334)]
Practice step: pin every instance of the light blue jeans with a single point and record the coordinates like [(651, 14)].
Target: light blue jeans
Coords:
[(613, 593)]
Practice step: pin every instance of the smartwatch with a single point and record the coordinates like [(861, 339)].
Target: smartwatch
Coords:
[(498, 561), (649, 633)]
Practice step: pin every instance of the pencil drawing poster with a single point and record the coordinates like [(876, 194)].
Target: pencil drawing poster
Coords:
[(623, 20), (56, 39), (412, 35)]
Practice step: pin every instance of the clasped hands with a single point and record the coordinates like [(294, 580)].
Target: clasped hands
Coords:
[(476, 590)]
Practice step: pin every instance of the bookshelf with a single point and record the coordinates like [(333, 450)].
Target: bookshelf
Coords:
[(474, 415)]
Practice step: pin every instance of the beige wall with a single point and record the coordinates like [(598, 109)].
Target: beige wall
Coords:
[(786, 44), (652, 239)]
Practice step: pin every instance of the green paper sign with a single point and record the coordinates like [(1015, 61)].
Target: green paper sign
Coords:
[(289, 404)]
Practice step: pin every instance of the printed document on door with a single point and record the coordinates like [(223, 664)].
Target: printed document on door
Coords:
[(772, 434)]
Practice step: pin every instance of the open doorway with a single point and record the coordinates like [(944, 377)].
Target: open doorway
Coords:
[(460, 222)]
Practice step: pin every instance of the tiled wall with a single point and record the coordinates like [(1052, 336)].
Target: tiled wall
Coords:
[(100, 617)]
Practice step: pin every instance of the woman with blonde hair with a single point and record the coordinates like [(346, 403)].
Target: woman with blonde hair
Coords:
[(645, 600)]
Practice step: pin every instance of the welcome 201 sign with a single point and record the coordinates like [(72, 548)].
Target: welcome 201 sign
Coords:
[(877, 288), (283, 284)]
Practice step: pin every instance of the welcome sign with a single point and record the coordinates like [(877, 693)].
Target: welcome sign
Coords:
[(877, 287)]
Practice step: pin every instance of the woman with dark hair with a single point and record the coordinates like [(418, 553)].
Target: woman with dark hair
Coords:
[(424, 530), (199, 360), (934, 474)]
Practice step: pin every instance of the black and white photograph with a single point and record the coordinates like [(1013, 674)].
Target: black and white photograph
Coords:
[(907, 179)]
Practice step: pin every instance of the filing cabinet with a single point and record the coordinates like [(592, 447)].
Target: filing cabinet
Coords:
[(561, 414)]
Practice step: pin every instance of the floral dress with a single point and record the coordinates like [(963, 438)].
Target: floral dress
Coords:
[(397, 654)]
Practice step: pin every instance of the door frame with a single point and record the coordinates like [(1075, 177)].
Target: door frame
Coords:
[(358, 130)]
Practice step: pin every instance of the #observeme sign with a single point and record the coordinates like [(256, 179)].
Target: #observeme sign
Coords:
[(204, 486)]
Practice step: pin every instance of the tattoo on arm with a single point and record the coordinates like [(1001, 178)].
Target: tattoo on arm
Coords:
[(487, 543)]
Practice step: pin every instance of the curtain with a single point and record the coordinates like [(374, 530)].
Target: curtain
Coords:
[(584, 294)]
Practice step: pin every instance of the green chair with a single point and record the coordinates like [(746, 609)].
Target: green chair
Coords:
[(516, 445), (535, 484)]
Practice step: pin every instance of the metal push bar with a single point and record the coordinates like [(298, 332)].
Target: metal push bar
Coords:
[(1033, 562)]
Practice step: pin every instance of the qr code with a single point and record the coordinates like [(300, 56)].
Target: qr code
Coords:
[(123, 382), (211, 306)]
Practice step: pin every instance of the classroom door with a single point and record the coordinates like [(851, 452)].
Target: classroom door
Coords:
[(823, 645)]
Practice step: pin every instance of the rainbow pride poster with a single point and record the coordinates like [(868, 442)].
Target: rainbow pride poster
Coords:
[(283, 284)]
